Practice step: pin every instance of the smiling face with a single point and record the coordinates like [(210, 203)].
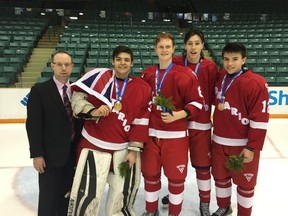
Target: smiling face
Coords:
[(194, 47), (233, 62), (122, 64), (165, 49)]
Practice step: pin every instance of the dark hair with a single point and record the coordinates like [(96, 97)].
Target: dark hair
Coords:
[(193, 32), (63, 52), (121, 49), (164, 35), (234, 48)]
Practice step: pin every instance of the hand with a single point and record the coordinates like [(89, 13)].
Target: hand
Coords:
[(102, 111), (131, 158), (168, 118), (248, 155), (39, 164)]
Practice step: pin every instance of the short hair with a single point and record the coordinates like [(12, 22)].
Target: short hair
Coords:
[(193, 32), (234, 48), (122, 49), (164, 35), (63, 52)]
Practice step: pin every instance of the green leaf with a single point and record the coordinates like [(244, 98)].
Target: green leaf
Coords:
[(235, 163), (123, 168), (162, 101)]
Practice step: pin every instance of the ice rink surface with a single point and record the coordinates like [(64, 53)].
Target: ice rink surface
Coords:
[(19, 187)]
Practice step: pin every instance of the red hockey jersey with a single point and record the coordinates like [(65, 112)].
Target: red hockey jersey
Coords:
[(119, 127), (244, 120), (207, 76), (182, 86)]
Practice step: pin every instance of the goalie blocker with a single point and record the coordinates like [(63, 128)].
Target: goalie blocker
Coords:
[(92, 173)]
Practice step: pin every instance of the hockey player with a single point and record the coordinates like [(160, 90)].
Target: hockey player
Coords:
[(167, 147), (240, 123), (200, 126), (114, 131)]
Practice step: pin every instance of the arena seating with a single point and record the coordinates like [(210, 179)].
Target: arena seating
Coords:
[(266, 44), (18, 36)]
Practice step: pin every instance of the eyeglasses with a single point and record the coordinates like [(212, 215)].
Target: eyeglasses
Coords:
[(59, 64)]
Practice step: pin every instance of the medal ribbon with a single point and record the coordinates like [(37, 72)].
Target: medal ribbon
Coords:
[(119, 95), (197, 68), (223, 91), (159, 86)]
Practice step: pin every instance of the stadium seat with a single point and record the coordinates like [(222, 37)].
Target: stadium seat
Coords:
[(275, 61), (47, 72), (260, 71), (4, 82), (271, 80), (271, 71), (282, 71), (282, 81), (42, 79)]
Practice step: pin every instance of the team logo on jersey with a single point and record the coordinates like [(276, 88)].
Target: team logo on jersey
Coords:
[(248, 176), (181, 167)]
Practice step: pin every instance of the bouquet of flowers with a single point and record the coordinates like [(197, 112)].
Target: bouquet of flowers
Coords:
[(235, 163), (165, 103), (124, 168)]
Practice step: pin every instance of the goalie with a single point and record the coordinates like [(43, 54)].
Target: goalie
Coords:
[(115, 128)]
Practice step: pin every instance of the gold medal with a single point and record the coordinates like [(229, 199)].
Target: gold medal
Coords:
[(117, 106), (221, 106)]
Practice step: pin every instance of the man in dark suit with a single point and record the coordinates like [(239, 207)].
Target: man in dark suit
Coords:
[(53, 134)]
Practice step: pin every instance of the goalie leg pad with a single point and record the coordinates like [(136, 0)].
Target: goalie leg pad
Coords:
[(89, 183), (123, 191)]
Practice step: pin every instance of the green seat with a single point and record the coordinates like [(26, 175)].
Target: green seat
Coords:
[(145, 55), (71, 46), (282, 81), (263, 62), (61, 46), (4, 61), (252, 54), (93, 54), (282, 71), (274, 53), (9, 52), (271, 71), (137, 63), (146, 62), (284, 61), (259, 70), (271, 80), (79, 54), (47, 72), (76, 71), (78, 62), (91, 62), (136, 71), (42, 79), (4, 82), (251, 62), (11, 72), (283, 53), (275, 61), (82, 46), (104, 62), (104, 54)]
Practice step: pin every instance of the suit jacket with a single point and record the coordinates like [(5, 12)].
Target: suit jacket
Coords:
[(48, 126)]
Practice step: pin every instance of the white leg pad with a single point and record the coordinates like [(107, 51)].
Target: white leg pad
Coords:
[(123, 191), (89, 183)]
